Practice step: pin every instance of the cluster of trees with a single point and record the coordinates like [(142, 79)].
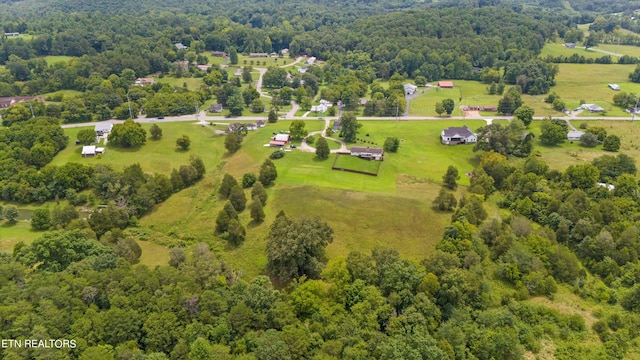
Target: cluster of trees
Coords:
[(228, 224)]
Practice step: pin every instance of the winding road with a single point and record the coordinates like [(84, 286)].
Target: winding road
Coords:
[(305, 147)]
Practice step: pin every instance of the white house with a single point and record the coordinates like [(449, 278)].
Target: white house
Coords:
[(574, 135), (591, 107), (311, 60), (458, 135), (91, 151), (367, 153), (410, 89), (103, 128)]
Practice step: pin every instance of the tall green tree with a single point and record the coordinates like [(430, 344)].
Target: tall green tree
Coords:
[(525, 114), (350, 127), (257, 212), (322, 149), (552, 134), (259, 192), (86, 136), (237, 198), (268, 173), (236, 104), (155, 131), (297, 130), (296, 248), (235, 232), (128, 134), (233, 55), (183, 142), (448, 105), (451, 177), (228, 183), (611, 143), (233, 142)]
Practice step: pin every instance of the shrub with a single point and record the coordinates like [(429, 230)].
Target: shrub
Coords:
[(277, 154)]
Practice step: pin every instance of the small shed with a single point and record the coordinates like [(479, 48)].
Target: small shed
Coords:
[(445, 84)]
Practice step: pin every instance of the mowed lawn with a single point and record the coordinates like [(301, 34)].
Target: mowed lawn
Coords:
[(588, 83), (155, 156), (556, 49), (571, 153), (464, 92), (52, 59), (349, 162)]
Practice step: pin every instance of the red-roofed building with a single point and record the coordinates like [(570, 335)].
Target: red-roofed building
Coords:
[(445, 84)]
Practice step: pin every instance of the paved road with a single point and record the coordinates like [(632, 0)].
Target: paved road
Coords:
[(305, 147), (203, 118)]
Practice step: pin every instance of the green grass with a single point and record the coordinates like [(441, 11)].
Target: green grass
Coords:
[(620, 49), (333, 145), (156, 156), (349, 162), (465, 92), (52, 59), (66, 94), (11, 234), (397, 202), (555, 49), (259, 62)]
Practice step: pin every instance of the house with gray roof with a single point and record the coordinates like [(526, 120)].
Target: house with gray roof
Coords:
[(367, 152), (102, 128), (458, 135)]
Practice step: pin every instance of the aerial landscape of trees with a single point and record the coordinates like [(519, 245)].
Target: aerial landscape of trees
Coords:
[(532, 242)]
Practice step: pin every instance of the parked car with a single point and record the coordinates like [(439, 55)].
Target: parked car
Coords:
[(160, 117)]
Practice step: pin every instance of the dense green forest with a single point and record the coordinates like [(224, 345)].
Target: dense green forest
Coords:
[(568, 232)]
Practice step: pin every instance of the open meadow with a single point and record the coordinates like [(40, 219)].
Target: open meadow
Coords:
[(364, 211)]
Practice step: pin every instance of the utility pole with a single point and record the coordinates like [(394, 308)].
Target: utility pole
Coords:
[(32, 113), (633, 117), (129, 102)]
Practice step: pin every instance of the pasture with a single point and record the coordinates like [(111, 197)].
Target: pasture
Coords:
[(464, 92)]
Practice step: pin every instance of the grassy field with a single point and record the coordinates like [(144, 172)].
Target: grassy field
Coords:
[(11, 234), (620, 49), (354, 163), (464, 93), (263, 62), (57, 59), (556, 49), (156, 156)]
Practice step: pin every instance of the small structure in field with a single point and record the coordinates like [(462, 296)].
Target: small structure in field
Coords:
[(367, 153), (614, 87), (574, 135), (458, 135), (217, 108), (445, 84), (91, 151), (144, 81)]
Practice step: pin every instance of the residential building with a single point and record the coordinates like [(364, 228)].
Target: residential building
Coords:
[(458, 135), (574, 135), (258, 55), (103, 128), (591, 107), (410, 89), (219, 54), (215, 108), (367, 153), (180, 46), (5, 102), (144, 81)]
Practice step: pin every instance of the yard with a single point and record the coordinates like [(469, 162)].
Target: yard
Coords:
[(348, 162)]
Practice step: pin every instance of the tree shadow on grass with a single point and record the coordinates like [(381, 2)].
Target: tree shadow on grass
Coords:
[(8, 224), (253, 224)]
